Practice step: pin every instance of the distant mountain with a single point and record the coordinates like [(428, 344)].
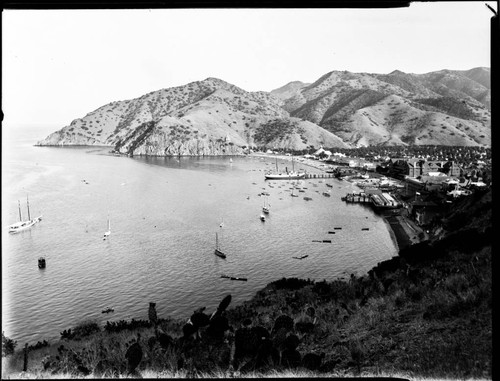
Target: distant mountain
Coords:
[(340, 109), (444, 108), (209, 117)]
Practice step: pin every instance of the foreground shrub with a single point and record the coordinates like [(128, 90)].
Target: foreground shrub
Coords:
[(8, 345), (291, 283), (83, 329)]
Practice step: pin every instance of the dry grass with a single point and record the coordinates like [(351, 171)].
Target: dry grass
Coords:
[(273, 374)]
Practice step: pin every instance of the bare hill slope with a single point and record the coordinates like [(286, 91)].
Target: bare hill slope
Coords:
[(340, 109), (444, 108), (209, 117)]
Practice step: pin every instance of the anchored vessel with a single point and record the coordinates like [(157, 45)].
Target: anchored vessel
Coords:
[(24, 225), (266, 206), (217, 251), (284, 176), (107, 233), (41, 263)]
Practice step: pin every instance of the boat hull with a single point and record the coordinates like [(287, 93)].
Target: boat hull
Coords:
[(219, 253), (285, 176), (24, 225)]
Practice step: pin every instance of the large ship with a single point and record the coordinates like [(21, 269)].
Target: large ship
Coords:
[(284, 175), (24, 225)]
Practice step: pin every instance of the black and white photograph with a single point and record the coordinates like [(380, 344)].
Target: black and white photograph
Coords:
[(199, 192)]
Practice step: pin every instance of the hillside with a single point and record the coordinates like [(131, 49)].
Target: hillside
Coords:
[(341, 109), (209, 117), (439, 108)]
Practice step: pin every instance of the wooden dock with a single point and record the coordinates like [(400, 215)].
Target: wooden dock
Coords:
[(357, 198), (319, 176), (374, 197)]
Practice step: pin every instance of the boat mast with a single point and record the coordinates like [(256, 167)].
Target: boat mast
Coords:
[(28, 203), (216, 241), (276, 165), (20, 217)]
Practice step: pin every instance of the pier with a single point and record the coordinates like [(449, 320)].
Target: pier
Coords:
[(319, 176), (375, 197), (357, 198)]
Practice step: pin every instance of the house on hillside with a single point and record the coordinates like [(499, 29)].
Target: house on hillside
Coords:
[(322, 153)]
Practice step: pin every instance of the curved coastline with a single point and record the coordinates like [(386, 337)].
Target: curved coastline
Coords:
[(400, 227)]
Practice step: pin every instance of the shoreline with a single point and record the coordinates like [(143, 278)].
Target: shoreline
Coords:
[(403, 231), (310, 163), (397, 233)]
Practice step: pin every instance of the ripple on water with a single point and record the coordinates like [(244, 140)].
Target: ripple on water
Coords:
[(163, 225)]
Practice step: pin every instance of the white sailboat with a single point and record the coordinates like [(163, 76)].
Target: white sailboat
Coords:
[(107, 233), (24, 225), (266, 206)]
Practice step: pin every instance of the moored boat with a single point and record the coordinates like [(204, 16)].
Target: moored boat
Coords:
[(41, 263), (218, 251), (285, 176), (24, 225), (108, 232), (265, 208), (292, 175)]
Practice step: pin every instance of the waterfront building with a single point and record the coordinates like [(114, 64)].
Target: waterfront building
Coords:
[(414, 167)]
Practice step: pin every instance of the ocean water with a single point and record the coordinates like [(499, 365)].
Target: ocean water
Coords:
[(164, 213)]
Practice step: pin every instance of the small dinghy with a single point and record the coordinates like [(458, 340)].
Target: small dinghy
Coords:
[(41, 263)]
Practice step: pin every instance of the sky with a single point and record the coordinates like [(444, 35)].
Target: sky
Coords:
[(59, 65)]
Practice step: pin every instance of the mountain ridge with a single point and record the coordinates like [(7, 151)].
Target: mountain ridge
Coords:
[(340, 109)]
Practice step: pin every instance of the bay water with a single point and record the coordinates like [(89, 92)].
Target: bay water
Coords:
[(163, 213)]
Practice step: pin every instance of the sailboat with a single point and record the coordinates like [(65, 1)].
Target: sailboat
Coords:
[(218, 251), (24, 225), (107, 233), (293, 194), (266, 206), (284, 176)]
